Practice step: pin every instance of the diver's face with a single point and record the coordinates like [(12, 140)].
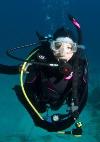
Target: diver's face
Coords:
[(62, 49), (66, 48)]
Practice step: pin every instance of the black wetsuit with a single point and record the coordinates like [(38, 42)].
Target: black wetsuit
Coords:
[(47, 85), (50, 85)]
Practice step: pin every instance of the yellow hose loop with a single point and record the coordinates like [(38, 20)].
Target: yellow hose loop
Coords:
[(22, 85)]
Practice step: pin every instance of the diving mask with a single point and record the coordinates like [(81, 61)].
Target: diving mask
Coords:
[(63, 43)]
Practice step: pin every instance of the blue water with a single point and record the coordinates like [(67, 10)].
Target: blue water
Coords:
[(19, 20)]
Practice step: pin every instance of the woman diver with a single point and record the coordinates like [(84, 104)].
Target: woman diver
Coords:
[(57, 75)]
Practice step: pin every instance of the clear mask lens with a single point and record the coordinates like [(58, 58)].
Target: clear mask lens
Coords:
[(57, 45)]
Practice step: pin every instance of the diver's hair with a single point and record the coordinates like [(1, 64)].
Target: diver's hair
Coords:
[(63, 32)]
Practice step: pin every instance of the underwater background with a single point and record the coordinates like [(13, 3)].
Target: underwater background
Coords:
[(19, 20)]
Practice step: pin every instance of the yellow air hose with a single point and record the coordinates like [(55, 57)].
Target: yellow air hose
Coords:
[(22, 85)]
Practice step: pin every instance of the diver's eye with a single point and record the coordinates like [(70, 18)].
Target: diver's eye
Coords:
[(69, 47), (58, 45)]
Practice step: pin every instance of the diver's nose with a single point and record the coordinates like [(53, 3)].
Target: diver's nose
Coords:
[(64, 49)]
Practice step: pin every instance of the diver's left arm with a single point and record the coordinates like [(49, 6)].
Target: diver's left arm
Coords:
[(10, 70), (77, 86), (13, 70)]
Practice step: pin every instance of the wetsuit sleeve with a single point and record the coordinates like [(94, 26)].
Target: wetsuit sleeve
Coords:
[(11, 70), (5, 69), (78, 82)]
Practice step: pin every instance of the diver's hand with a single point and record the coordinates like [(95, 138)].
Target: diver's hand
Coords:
[(75, 114), (25, 70), (74, 110), (74, 105)]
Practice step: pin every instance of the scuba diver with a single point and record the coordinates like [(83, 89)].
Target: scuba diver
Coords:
[(56, 76)]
